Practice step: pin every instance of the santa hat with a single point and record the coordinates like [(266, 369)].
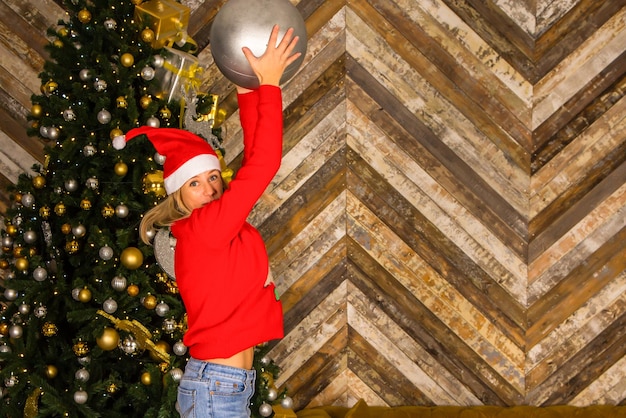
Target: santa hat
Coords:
[(186, 154)]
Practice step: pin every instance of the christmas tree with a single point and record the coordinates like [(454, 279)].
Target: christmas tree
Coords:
[(91, 324)]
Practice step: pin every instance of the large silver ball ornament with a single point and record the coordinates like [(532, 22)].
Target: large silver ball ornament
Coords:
[(237, 24)]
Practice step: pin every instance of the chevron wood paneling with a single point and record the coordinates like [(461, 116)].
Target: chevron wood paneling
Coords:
[(448, 224)]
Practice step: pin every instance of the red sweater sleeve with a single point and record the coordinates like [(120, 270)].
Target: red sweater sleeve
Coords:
[(221, 220), (248, 117)]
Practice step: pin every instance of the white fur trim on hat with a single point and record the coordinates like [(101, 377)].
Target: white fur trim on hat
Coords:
[(192, 167)]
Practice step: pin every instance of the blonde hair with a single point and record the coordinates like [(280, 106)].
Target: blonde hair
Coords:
[(168, 211)]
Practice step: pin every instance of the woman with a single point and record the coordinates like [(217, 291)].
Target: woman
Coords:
[(221, 263)]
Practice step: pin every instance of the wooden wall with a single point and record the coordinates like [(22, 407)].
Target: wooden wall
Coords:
[(448, 225)]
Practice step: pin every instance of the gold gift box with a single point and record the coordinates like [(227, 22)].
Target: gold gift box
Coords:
[(168, 19)]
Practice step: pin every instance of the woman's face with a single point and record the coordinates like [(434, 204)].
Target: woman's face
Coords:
[(202, 189)]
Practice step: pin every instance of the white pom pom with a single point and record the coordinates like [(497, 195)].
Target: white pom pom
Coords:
[(119, 142)]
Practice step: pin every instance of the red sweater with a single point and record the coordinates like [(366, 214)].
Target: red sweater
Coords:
[(221, 262)]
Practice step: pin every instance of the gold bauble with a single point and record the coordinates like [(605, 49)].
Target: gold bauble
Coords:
[(39, 182), (17, 197), (21, 264), (36, 110), (84, 16), (121, 102), (81, 349), (4, 264), (85, 204), (11, 230), (50, 87), (48, 329), (18, 251), (150, 302), (162, 346), (107, 211), (131, 258), (51, 371), (120, 169), (145, 101), (268, 378), (165, 113), (57, 43), (112, 388), (84, 295), (132, 290), (44, 212), (127, 59), (153, 183), (146, 378), (147, 35), (66, 229), (63, 31), (115, 132), (109, 339), (60, 209), (72, 246), (4, 328)]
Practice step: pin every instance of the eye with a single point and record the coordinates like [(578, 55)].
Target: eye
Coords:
[(193, 183), (213, 177)]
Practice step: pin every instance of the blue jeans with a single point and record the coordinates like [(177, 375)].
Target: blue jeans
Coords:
[(209, 390)]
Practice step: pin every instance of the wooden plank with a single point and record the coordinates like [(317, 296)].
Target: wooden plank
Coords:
[(441, 254)]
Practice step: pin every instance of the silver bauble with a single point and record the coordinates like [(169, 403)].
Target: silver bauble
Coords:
[(24, 309), (158, 61), (69, 115), (30, 236), (237, 25), (43, 131), (53, 132), (153, 122), (40, 274), (71, 185), (41, 311), (7, 241), (10, 294), (89, 150), (92, 183), (28, 199), (118, 283), (109, 306), (84, 75), (286, 402), (17, 220), (106, 253), (272, 394), (179, 348), (75, 293), (104, 116), (169, 325), (100, 85), (147, 73), (265, 409), (110, 24), (162, 309), (79, 230), (121, 211), (5, 348), (129, 346), (80, 397), (176, 374), (82, 375), (11, 381), (83, 361), (16, 331)]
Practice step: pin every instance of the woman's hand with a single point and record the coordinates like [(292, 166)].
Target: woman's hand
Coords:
[(270, 66)]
